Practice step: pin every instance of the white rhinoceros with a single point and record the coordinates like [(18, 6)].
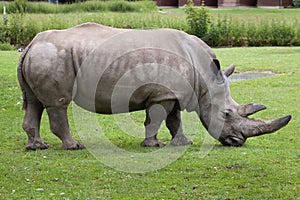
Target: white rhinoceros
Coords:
[(109, 70)]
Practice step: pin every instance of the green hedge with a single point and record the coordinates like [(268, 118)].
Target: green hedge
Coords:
[(224, 31), (221, 31), (23, 6)]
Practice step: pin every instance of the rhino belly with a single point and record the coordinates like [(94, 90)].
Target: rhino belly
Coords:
[(112, 98)]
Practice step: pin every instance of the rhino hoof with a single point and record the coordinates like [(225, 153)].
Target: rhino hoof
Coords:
[(37, 145), (74, 146), (180, 141), (152, 143)]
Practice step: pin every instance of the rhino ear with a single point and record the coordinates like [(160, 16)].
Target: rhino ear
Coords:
[(229, 70), (216, 68), (217, 64)]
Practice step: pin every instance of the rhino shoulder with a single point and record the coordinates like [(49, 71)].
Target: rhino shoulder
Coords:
[(194, 42), (204, 46)]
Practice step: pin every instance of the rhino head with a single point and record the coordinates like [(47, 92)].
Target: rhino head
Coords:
[(226, 120)]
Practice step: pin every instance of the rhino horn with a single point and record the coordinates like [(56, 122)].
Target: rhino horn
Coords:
[(258, 127), (249, 109), (229, 70)]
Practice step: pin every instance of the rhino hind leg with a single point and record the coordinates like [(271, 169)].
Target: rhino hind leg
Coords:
[(59, 125), (31, 125), (174, 125)]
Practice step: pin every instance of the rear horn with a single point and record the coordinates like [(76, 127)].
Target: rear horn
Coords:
[(229, 70), (249, 109)]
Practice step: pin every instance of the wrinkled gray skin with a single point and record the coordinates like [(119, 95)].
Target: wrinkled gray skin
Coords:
[(108, 70)]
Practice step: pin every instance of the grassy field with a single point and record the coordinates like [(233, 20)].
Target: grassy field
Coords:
[(266, 167)]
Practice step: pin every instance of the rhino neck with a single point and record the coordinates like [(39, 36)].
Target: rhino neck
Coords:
[(212, 98), (203, 109)]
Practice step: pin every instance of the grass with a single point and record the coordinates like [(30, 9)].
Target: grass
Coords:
[(276, 59), (267, 167)]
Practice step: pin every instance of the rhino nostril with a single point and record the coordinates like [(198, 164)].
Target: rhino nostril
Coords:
[(233, 141)]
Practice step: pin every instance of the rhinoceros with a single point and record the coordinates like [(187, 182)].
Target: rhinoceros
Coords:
[(108, 70)]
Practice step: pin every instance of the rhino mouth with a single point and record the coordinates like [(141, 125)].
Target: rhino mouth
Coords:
[(233, 141)]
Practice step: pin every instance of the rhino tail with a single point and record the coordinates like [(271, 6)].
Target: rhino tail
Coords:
[(22, 82)]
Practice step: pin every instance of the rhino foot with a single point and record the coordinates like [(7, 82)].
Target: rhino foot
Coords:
[(37, 145), (150, 142), (73, 146), (180, 140)]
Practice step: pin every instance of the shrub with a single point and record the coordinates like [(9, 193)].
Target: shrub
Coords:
[(198, 19), (17, 32), (218, 33), (296, 3), (23, 6), (221, 31), (92, 6), (6, 47), (282, 34), (226, 32), (121, 6)]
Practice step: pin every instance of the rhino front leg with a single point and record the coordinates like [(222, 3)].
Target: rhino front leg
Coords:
[(154, 117), (60, 127), (174, 124), (31, 125)]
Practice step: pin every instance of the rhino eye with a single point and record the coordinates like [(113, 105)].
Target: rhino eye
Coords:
[(227, 114)]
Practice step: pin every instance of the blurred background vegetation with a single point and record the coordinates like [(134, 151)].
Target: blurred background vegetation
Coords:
[(217, 27)]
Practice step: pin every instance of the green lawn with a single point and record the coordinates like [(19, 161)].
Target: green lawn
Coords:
[(266, 167)]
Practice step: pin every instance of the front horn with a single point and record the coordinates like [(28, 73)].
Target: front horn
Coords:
[(258, 127)]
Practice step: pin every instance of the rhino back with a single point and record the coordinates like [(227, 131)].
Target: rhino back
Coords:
[(133, 69)]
